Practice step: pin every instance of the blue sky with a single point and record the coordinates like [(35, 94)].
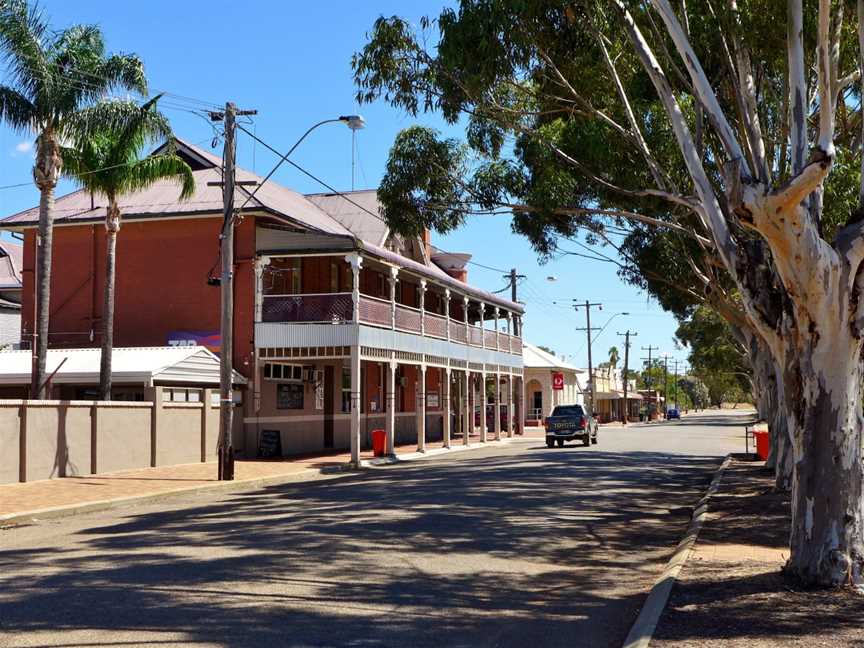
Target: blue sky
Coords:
[(291, 62)]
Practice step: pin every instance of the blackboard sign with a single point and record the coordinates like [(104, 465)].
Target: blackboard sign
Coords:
[(270, 444), (289, 396)]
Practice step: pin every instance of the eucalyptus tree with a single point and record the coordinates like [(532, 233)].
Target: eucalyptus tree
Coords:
[(51, 76), (108, 161), (718, 123)]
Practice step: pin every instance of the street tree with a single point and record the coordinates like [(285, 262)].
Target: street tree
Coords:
[(51, 76), (106, 160), (727, 137)]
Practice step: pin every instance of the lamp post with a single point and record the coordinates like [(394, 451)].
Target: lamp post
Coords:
[(226, 450)]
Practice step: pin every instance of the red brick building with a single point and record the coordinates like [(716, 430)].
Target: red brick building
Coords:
[(340, 326)]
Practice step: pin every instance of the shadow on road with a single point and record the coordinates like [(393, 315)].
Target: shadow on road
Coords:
[(544, 548)]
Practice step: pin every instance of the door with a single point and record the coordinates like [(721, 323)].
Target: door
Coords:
[(329, 397)]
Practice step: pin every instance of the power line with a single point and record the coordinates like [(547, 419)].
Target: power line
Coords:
[(341, 194)]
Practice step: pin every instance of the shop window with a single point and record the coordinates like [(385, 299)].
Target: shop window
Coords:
[(289, 396), (346, 389)]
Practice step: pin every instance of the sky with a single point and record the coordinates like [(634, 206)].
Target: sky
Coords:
[(291, 61)]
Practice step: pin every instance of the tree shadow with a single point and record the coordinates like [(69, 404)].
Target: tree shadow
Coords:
[(549, 548)]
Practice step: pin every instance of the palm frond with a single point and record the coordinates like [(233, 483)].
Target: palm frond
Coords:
[(132, 125), (16, 110), (123, 71), (155, 168), (23, 31)]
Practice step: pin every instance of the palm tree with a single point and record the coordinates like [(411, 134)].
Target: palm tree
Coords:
[(52, 75), (613, 357), (109, 162)]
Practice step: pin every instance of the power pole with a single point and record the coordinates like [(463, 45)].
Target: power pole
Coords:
[(626, 335), (665, 384), (587, 305), (226, 237), (649, 383), (513, 278), (675, 384)]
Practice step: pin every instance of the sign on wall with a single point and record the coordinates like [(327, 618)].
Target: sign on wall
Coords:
[(557, 380), (432, 399), (209, 339)]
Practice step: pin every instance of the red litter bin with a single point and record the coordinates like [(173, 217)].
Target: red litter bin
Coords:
[(379, 442), (761, 437)]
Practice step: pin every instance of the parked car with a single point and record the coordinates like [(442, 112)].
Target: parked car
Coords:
[(569, 422), (672, 413)]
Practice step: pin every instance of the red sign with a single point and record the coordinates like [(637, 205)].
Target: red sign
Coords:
[(558, 381)]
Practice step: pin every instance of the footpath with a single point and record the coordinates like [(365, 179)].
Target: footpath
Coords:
[(732, 594), (21, 503)]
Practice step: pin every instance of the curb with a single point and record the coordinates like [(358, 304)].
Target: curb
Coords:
[(643, 629), (237, 486)]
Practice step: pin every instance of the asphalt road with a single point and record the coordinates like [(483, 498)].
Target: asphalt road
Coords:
[(516, 545)]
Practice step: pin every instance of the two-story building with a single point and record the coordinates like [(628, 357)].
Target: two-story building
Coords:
[(341, 326)]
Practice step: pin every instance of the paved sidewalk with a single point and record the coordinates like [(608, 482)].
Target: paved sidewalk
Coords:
[(31, 498)]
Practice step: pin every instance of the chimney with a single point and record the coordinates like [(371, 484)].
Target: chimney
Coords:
[(427, 242), (460, 275), (453, 263)]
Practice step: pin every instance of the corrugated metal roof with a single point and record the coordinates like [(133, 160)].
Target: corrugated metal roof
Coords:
[(11, 256), (355, 217), (534, 357), (138, 365)]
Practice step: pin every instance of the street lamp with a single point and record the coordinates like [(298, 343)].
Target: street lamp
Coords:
[(606, 324)]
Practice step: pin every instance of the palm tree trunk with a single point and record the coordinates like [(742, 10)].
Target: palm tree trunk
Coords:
[(43, 289), (112, 227)]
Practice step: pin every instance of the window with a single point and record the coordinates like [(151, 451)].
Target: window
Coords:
[(284, 277), (283, 372), (334, 277), (289, 396), (346, 389)]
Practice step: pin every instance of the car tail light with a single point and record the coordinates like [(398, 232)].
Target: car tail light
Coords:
[(583, 424), (545, 423)]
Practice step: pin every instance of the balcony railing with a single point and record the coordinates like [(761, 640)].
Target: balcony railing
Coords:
[(435, 325), (336, 308), (375, 311), (407, 318), (457, 332), (490, 340), (328, 307)]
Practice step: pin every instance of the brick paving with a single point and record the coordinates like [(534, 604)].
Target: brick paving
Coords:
[(16, 499)]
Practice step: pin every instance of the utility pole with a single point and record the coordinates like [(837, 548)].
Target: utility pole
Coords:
[(649, 383), (665, 384), (675, 384), (587, 305), (512, 278), (226, 350), (626, 335)]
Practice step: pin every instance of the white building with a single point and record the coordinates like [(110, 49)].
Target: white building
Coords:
[(539, 369)]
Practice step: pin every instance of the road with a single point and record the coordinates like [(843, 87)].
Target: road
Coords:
[(512, 545)]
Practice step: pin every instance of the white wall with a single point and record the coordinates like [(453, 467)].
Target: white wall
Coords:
[(10, 327)]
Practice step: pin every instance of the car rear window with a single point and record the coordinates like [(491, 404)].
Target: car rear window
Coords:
[(568, 410)]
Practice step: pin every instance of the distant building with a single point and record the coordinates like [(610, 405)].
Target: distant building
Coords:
[(609, 392), (540, 397), (10, 294)]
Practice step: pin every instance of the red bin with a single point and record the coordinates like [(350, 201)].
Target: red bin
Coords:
[(379, 442), (761, 437)]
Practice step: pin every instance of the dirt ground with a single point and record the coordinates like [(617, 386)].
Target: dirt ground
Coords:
[(732, 593)]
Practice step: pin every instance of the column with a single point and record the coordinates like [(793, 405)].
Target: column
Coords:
[(355, 405), (422, 307), (447, 313), (390, 419), (392, 279), (497, 341), (466, 409), (356, 262), (421, 408), (260, 263), (482, 403), (465, 301), (510, 405), (483, 339), (509, 332), (497, 411), (445, 406), (517, 407)]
